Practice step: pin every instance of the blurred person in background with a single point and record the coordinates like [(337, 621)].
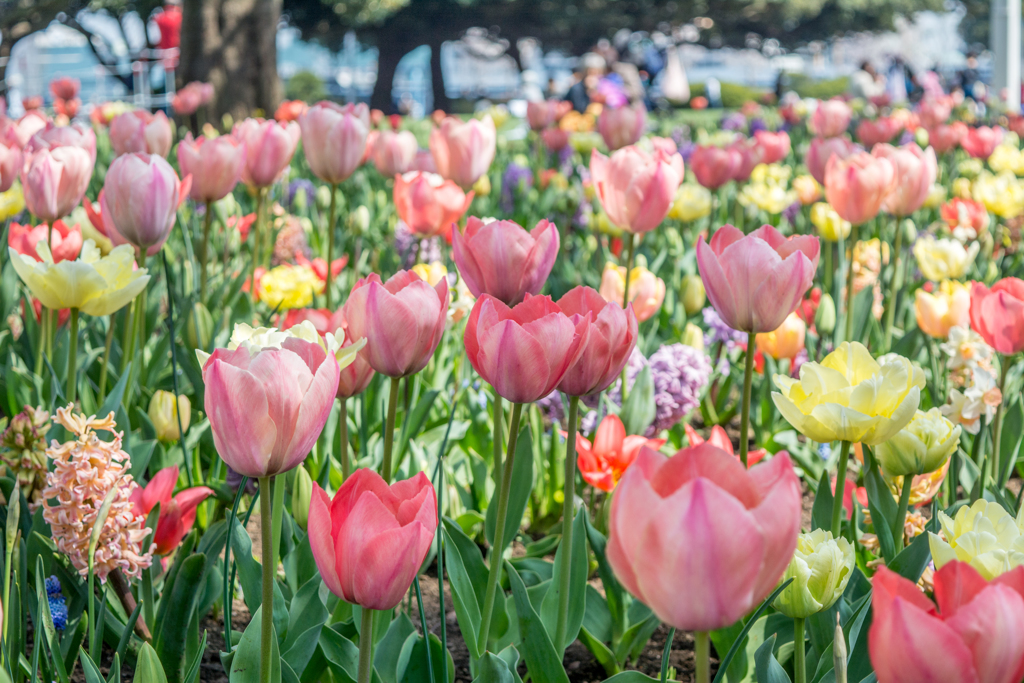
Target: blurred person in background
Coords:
[(867, 83)]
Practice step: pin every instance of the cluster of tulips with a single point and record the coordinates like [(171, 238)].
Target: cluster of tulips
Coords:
[(744, 377)]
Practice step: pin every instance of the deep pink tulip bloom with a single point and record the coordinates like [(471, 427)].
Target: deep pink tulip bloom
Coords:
[(142, 132), (749, 155), (997, 314), (701, 539), (269, 146), (524, 351), (555, 139), (268, 405), (402, 320), (370, 541), (428, 204), (334, 139), (980, 142), (878, 131), (945, 138), (177, 512), (622, 126), (394, 153), (65, 87), (140, 200), (636, 189), (215, 164), (754, 281), (464, 150), (610, 339), (714, 166), (973, 634), (821, 150), (10, 165), (541, 115), (915, 169), (54, 177), (502, 259), (857, 186), (774, 146), (831, 118)]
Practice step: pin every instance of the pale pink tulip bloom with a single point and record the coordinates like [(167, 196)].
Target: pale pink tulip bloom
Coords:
[(622, 126), (334, 139), (915, 169), (464, 150), (269, 146), (821, 150), (140, 200), (215, 164), (714, 166), (831, 118), (142, 132), (636, 189), (504, 260), (394, 153)]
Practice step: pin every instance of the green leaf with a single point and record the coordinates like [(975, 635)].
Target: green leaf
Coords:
[(148, 668), (615, 595), (115, 670), (413, 423), (388, 652), (639, 410), (89, 668), (631, 676), (192, 672), (47, 622), (636, 637), (751, 620), (577, 585), (305, 619), (169, 640), (519, 495), (542, 661), (126, 634), (416, 670), (883, 511), (250, 575), (245, 666), (341, 653), (464, 589), (766, 667), (604, 656), (723, 640), (913, 559), (116, 395), (858, 661), (492, 669), (821, 513)]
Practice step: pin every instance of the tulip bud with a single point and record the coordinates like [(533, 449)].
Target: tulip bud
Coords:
[(820, 569), (226, 122), (991, 272), (921, 136), (839, 653), (359, 220), (199, 334), (693, 336), (302, 494), (694, 296), (825, 318), (921, 447), (482, 186), (164, 415), (301, 201), (909, 231), (323, 197)]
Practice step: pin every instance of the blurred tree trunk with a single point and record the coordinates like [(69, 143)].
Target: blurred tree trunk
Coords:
[(232, 44)]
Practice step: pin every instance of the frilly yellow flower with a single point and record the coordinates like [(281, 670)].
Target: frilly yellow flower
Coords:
[(432, 273), (12, 202), (692, 202), (821, 567), (771, 174), (961, 188), (921, 447), (767, 197), (984, 535), (93, 284), (850, 396), (1002, 194), (944, 259), (1006, 157), (936, 197), (829, 224), (288, 286), (253, 339)]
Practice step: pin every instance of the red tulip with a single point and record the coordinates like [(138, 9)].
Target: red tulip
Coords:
[(622, 126), (714, 166), (402, 320), (980, 142), (857, 186), (997, 314), (370, 540), (973, 634), (269, 147), (394, 153), (141, 132), (823, 149), (555, 139), (774, 146), (524, 351), (464, 150), (319, 265), (322, 320), (65, 88), (543, 114), (830, 119), (719, 439), (603, 463), (502, 259), (215, 164), (611, 338), (915, 170), (65, 246), (945, 138), (428, 204), (636, 189), (881, 130), (965, 212), (177, 513), (334, 139), (700, 539)]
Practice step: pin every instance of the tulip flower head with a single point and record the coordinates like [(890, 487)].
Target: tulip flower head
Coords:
[(334, 139), (636, 189), (830, 224), (502, 259), (923, 446), (719, 439), (774, 146), (611, 339), (915, 170), (141, 132), (878, 131), (54, 178), (269, 148), (177, 513), (997, 314), (622, 126), (215, 164), (646, 290), (980, 142), (857, 186), (939, 311), (429, 204), (983, 535), (66, 242), (831, 118), (786, 341), (286, 287), (821, 567), (822, 149), (140, 200), (714, 166), (165, 413), (10, 164), (394, 153), (941, 259), (464, 150), (603, 463), (691, 203)]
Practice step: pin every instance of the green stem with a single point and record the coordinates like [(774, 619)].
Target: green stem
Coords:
[(799, 654), (44, 324), (330, 241), (101, 395), (666, 653), (748, 377), (137, 334), (565, 573), (73, 356), (346, 466), (204, 250), (894, 286), (267, 605), (126, 337), (277, 488), (837, 500), (979, 459), (227, 564), (901, 512), (499, 437), (389, 430), (702, 656), (366, 646), (827, 247), (630, 249), (1003, 473), (258, 230), (849, 285), (498, 549)]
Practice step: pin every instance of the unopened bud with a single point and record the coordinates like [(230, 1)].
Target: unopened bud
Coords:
[(302, 496), (825, 318), (694, 296)]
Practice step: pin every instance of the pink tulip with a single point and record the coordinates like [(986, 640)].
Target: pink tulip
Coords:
[(622, 126), (186, 101), (65, 243), (402, 320), (857, 186), (334, 139), (934, 111), (28, 125), (997, 314), (215, 164), (394, 153), (830, 119), (502, 259), (524, 351), (370, 541), (177, 513), (611, 338), (665, 149), (54, 179), (65, 88), (974, 634), (424, 162), (555, 139), (269, 147), (355, 376), (980, 142), (749, 155), (823, 149), (714, 166), (915, 170), (701, 539), (10, 165), (945, 138), (267, 405), (140, 201), (636, 189), (428, 204), (543, 114), (881, 130), (142, 132), (52, 137), (755, 281), (774, 146), (464, 150)]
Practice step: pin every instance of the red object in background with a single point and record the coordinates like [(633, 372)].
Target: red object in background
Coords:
[(37, 308), (720, 439), (290, 110), (169, 23), (34, 102)]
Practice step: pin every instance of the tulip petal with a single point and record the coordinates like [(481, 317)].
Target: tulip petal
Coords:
[(160, 487), (321, 541), (992, 627), (716, 284)]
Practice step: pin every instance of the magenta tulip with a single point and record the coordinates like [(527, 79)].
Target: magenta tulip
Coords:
[(394, 153), (142, 132), (622, 126), (774, 146), (636, 189), (140, 199), (269, 147), (857, 186), (754, 281), (504, 260), (464, 150), (915, 170), (831, 118), (334, 139), (714, 166), (611, 338), (215, 164), (823, 149), (370, 541), (698, 537)]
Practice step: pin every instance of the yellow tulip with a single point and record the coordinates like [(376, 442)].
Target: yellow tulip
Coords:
[(938, 312), (432, 273), (1002, 194), (850, 396), (962, 188), (1007, 158), (164, 412), (936, 197), (830, 226), (767, 197), (807, 189), (692, 202), (93, 284), (12, 202), (921, 447), (693, 336), (786, 341), (943, 259), (286, 287), (646, 290), (984, 535), (255, 338), (821, 567)]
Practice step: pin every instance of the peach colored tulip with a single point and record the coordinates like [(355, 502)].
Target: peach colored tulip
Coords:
[(268, 400), (755, 281), (830, 119), (980, 142), (290, 110), (714, 166), (610, 340), (65, 88), (370, 540), (701, 539), (140, 131), (878, 131), (177, 512), (774, 146), (394, 153), (997, 314), (54, 179), (140, 199), (464, 150), (502, 259), (428, 204), (749, 155), (965, 212), (603, 463), (636, 189), (402, 321), (945, 138), (622, 126), (524, 351), (915, 170), (10, 165), (786, 341), (334, 139), (938, 312), (65, 244), (646, 290), (857, 186), (269, 147), (823, 149), (974, 634), (215, 164)]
